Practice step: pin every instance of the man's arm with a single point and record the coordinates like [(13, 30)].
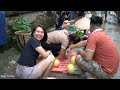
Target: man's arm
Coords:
[(78, 45), (87, 54)]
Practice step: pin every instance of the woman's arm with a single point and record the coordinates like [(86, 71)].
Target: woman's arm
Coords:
[(42, 52), (54, 47), (62, 52)]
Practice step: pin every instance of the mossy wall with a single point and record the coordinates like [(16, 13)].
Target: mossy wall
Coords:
[(39, 17)]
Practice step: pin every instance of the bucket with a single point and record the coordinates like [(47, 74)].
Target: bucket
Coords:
[(22, 37)]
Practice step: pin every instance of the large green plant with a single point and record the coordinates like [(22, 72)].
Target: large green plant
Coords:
[(19, 24)]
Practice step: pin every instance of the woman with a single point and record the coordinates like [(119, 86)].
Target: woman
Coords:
[(59, 41), (27, 67)]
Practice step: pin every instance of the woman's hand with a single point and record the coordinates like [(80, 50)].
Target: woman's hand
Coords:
[(68, 51), (69, 48), (49, 52)]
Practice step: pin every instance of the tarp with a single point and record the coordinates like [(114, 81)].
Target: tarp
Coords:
[(3, 35), (63, 64)]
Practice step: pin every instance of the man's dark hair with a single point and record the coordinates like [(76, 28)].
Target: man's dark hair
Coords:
[(96, 21), (45, 33)]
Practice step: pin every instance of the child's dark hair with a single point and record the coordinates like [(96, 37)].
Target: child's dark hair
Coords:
[(73, 37), (45, 33)]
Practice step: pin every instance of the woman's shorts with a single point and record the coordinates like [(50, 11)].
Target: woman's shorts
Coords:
[(25, 72)]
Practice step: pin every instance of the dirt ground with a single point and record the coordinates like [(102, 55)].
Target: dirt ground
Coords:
[(8, 71), (10, 74)]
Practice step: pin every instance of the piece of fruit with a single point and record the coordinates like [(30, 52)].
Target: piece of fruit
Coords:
[(56, 63), (70, 68), (73, 60)]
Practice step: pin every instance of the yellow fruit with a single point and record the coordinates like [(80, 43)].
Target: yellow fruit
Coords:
[(70, 68), (73, 59), (56, 63)]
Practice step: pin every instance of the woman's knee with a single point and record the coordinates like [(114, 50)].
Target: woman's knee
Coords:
[(51, 58)]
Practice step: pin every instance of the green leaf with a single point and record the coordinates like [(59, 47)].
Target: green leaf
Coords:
[(21, 24), (79, 33)]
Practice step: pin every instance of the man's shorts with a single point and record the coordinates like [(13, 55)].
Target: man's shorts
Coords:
[(95, 68)]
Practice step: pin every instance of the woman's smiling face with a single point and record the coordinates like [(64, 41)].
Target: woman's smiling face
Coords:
[(39, 33)]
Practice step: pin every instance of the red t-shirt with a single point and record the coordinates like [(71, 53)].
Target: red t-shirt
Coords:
[(106, 53)]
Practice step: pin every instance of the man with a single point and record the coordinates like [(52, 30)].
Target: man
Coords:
[(104, 15), (101, 57)]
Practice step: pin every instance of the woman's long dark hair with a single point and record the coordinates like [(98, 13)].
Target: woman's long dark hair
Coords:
[(45, 34)]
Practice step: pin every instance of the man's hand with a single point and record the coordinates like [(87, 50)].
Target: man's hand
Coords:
[(79, 51)]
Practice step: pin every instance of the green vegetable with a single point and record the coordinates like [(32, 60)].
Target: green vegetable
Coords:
[(79, 33)]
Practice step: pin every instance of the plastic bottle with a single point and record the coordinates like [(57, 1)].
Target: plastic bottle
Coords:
[(71, 27)]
